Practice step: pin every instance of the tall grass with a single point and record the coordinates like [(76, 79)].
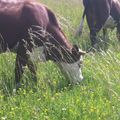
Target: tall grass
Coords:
[(97, 97)]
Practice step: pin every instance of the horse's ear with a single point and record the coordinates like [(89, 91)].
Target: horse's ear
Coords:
[(82, 52), (76, 50), (75, 47)]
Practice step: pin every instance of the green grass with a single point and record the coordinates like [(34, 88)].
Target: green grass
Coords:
[(97, 97)]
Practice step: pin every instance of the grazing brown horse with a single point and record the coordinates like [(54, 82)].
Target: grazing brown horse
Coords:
[(27, 25)]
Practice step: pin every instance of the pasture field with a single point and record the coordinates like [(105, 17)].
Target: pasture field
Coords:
[(97, 97)]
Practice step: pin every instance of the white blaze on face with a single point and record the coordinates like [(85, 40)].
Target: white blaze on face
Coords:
[(38, 54), (73, 71), (116, 1)]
